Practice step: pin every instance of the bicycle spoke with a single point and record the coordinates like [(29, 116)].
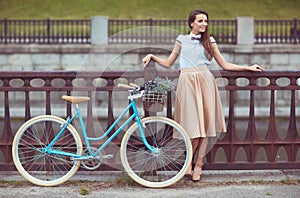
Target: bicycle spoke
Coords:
[(30, 155), (169, 161)]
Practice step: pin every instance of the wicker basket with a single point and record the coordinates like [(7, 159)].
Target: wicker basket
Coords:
[(153, 102)]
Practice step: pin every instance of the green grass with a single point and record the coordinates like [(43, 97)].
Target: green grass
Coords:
[(126, 180), (269, 194), (84, 190), (145, 9)]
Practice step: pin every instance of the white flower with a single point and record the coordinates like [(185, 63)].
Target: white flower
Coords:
[(158, 86)]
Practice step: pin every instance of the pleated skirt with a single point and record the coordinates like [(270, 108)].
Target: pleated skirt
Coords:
[(198, 107)]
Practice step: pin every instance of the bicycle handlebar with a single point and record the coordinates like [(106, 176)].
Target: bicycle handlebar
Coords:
[(125, 86), (134, 85), (134, 90)]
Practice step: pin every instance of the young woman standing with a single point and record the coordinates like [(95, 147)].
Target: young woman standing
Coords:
[(198, 107)]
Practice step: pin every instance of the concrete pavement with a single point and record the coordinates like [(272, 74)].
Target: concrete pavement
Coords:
[(257, 183)]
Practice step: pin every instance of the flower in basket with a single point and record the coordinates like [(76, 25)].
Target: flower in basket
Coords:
[(156, 90)]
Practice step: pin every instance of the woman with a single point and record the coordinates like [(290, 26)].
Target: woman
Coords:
[(198, 106)]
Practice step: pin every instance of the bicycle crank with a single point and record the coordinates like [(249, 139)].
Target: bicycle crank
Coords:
[(90, 162)]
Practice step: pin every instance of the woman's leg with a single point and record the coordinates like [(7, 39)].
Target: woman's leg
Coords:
[(202, 145), (195, 144)]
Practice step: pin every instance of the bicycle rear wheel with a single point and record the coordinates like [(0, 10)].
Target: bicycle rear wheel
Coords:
[(163, 168), (33, 163)]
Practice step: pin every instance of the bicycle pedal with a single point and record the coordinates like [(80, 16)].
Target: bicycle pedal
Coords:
[(109, 156), (81, 158)]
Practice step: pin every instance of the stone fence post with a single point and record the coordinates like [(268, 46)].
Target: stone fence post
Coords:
[(245, 30), (99, 30)]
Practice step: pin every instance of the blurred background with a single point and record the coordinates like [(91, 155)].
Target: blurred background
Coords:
[(144, 9)]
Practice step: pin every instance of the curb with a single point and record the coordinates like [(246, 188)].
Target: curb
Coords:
[(219, 176)]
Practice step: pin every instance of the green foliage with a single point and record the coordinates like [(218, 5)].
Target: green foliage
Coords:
[(84, 190), (126, 180), (145, 9), (269, 194)]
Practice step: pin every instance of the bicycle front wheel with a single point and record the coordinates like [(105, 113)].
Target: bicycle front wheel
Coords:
[(169, 162), (29, 155)]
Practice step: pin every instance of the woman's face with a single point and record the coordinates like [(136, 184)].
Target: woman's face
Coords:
[(200, 24)]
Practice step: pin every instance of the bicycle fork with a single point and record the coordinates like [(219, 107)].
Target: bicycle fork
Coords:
[(141, 126)]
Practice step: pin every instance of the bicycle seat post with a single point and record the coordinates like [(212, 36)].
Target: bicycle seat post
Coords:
[(76, 107)]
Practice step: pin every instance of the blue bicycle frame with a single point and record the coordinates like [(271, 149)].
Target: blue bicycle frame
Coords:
[(49, 149)]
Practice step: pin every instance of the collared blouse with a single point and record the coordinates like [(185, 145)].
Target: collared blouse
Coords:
[(192, 52)]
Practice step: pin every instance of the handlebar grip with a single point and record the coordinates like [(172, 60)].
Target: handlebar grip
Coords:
[(125, 86), (134, 85)]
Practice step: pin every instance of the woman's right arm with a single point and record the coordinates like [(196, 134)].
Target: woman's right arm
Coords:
[(167, 63)]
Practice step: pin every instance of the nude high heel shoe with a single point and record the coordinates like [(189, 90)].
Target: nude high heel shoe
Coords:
[(196, 176)]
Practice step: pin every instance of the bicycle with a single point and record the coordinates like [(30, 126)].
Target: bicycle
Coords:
[(47, 150)]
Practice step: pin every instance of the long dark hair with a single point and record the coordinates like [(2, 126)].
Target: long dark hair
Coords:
[(205, 37)]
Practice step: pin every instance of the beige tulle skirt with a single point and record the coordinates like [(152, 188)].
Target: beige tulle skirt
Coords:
[(198, 107)]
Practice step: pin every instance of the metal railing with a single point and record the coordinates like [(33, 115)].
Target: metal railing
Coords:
[(44, 31), (165, 31), (277, 31), (140, 31), (239, 152)]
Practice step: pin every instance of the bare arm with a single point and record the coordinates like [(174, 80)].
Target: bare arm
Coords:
[(167, 63), (230, 66)]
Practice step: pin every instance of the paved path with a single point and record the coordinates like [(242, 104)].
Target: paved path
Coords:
[(215, 184)]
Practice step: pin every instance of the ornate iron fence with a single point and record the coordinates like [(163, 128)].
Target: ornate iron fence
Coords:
[(140, 31), (280, 148), (277, 31), (165, 31), (44, 31)]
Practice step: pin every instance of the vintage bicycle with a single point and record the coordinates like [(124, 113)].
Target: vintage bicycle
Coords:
[(155, 151)]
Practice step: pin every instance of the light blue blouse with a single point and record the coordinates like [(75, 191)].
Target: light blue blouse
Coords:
[(192, 52)]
